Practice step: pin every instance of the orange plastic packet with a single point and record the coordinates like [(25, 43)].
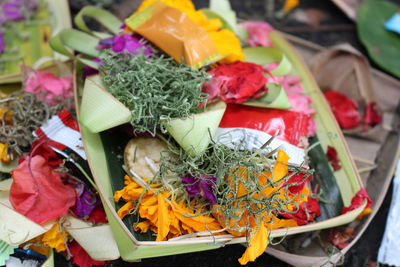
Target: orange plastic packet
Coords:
[(173, 32)]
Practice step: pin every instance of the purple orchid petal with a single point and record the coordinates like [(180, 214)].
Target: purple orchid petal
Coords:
[(205, 187), (191, 185), (105, 43), (124, 43), (85, 203)]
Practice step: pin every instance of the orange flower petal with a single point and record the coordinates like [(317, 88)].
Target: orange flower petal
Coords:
[(143, 226), (125, 209), (198, 223), (257, 245), (281, 168), (164, 221)]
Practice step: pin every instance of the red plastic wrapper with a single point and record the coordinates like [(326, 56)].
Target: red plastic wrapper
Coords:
[(255, 126)]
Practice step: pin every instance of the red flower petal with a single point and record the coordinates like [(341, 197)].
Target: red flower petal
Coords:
[(236, 82), (42, 149), (331, 154), (357, 200), (307, 211), (38, 192), (344, 109), (80, 256), (298, 180), (98, 215), (372, 116)]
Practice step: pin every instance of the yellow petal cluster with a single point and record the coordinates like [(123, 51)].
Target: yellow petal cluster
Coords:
[(165, 217), (55, 238), (225, 40)]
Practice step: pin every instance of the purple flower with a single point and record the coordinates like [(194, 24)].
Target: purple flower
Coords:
[(105, 43), (124, 43), (2, 44), (204, 186), (12, 11), (86, 202), (15, 10)]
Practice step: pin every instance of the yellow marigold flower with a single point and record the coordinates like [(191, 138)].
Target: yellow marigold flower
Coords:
[(289, 5), (54, 238), (8, 114), (228, 45), (4, 157)]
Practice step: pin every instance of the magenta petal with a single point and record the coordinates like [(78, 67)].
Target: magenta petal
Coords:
[(118, 44)]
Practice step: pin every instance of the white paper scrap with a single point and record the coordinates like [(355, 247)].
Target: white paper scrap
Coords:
[(389, 250)]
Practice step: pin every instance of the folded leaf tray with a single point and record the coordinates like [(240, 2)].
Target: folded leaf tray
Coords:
[(102, 150), (54, 18)]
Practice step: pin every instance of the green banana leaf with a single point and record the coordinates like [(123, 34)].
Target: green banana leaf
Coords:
[(33, 39), (383, 46)]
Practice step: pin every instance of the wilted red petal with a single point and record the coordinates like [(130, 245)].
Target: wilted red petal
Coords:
[(38, 192), (357, 200), (372, 115), (80, 256), (331, 154), (341, 239), (344, 109)]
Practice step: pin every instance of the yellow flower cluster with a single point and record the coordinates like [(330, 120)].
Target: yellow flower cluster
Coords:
[(165, 217), (53, 238), (225, 40)]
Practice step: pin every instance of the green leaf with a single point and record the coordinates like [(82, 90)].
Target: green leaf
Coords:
[(75, 40), (105, 18), (194, 133), (275, 98), (212, 15), (383, 46), (267, 55), (222, 8), (330, 199), (100, 110)]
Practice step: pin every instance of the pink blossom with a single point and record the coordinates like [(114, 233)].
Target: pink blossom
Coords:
[(54, 88), (258, 33)]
